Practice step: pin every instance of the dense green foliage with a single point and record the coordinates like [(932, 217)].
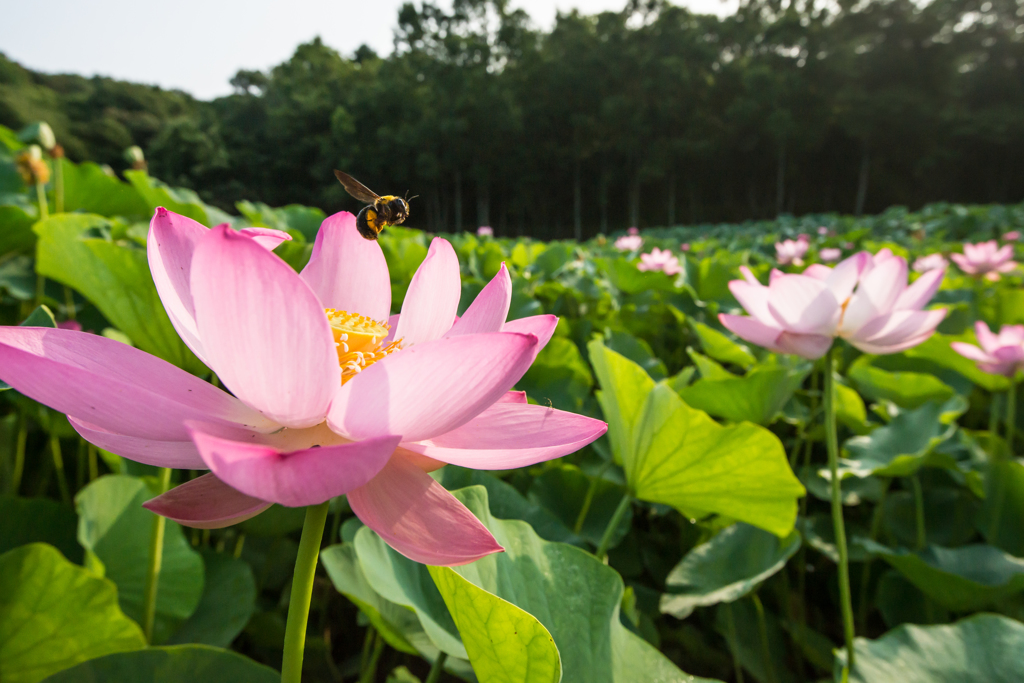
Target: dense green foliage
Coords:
[(648, 116), (707, 492)]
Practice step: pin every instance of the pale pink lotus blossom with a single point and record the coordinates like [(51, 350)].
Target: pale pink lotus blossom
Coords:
[(629, 243), (822, 230), (485, 231), (1000, 354), (985, 259), (70, 325), (663, 260), (864, 300), (930, 262), (328, 395), (849, 246), (685, 246), (1012, 236), (633, 231), (829, 254), (791, 251)]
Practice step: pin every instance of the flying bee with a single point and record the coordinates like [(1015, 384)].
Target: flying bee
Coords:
[(381, 212)]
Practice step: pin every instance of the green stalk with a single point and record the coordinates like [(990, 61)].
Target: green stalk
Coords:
[(922, 538), (58, 466), (44, 210), (832, 441), (733, 641), (999, 496), (865, 576), (302, 592), (436, 668), (613, 524), (762, 627), (19, 455), (156, 558), (58, 185), (370, 672), (589, 498)]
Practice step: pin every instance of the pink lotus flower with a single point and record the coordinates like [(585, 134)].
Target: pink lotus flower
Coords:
[(70, 325), (822, 230), (685, 246), (629, 243), (829, 255), (327, 400), (1001, 354), (1012, 236), (633, 231), (665, 261), (930, 262), (791, 251), (985, 259), (485, 231), (864, 300)]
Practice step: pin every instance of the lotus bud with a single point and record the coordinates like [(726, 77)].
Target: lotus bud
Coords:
[(31, 166), (134, 156), (39, 132)]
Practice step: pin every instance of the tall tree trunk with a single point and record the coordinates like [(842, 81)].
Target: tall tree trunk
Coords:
[(577, 204), (483, 203), (862, 180), (458, 201), (671, 199), (780, 180), (634, 201), (691, 187)]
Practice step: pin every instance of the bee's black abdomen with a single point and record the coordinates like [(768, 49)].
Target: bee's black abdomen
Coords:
[(366, 223)]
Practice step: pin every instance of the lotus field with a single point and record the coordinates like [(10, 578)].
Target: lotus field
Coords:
[(260, 447)]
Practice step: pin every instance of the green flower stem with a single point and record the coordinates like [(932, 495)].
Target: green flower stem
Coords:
[(730, 625), (436, 668), (302, 592), (19, 456), (369, 674), (58, 465), (156, 558), (999, 496), (613, 524), (922, 538), (58, 185), (865, 576), (44, 210), (589, 498), (832, 441), (762, 627)]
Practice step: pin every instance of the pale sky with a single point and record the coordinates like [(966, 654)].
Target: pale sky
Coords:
[(197, 46)]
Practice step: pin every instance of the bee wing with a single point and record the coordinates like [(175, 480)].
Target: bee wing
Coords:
[(356, 188)]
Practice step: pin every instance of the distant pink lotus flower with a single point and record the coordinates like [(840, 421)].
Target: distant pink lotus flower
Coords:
[(828, 255), (930, 262), (864, 300), (849, 245), (685, 246), (1012, 236), (485, 231), (822, 230), (1000, 354), (665, 261), (70, 325), (791, 251), (633, 231), (629, 243), (985, 259), (328, 398)]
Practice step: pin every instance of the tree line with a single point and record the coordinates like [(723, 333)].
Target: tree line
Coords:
[(652, 115)]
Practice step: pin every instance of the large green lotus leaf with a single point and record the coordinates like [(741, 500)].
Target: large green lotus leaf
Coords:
[(757, 397), (228, 601), (726, 568), (32, 520), (984, 648), (850, 410), (625, 276), (905, 389), (937, 349), (115, 276), (906, 444), (678, 456), (563, 489), (970, 577), (89, 189), (15, 230), (398, 579), (559, 376), (638, 351), (54, 614), (115, 527), (505, 644), (708, 368), (507, 503), (900, 602), (1009, 534), (571, 593), (186, 202), (198, 663), (720, 347)]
